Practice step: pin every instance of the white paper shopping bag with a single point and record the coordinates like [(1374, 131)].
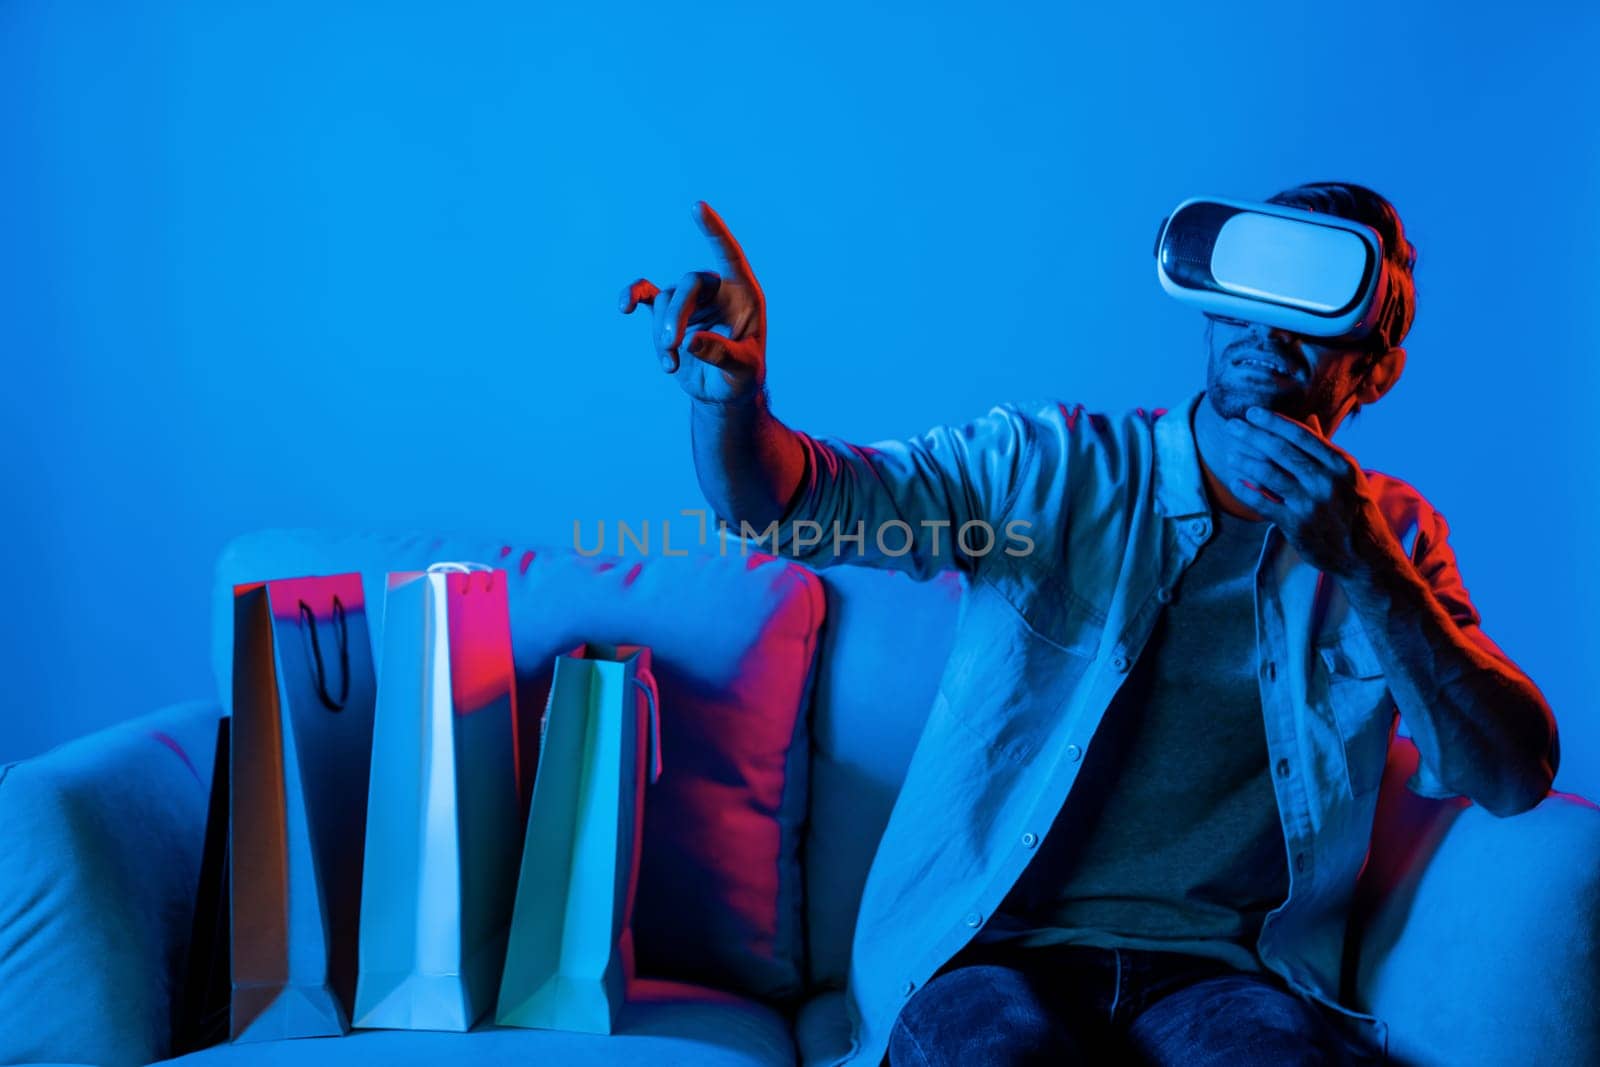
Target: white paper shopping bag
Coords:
[(444, 824)]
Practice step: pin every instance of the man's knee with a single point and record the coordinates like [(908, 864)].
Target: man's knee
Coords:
[(983, 1013), (1237, 1019)]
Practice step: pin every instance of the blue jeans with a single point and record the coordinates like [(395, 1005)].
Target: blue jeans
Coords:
[(1076, 1004)]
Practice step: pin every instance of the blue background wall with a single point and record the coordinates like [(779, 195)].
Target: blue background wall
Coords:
[(360, 270)]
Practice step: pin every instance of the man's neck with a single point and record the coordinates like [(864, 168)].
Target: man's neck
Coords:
[(1210, 437)]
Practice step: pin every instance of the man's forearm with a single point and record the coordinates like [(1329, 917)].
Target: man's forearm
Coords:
[(748, 463), (1479, 721)]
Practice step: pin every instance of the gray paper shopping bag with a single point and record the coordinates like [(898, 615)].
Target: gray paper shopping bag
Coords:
[(302, 736), (444, 819), (570, 958)]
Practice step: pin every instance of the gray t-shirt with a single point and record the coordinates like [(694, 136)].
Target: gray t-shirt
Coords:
[(1171, 839)]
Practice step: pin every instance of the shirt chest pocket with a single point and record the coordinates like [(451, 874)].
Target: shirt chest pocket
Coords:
[(1057, 615), (1023, 654), (1359, 704)]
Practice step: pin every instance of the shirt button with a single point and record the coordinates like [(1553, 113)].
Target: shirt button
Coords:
[(1074, 753), (1030, 839), (1164, 595), (1119, 663), (1300, 862), (1271, 670), (1200, 527), (973, 919), (905, 990), (1283, 768)]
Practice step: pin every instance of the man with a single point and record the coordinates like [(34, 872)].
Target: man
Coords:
[(1146, 788)]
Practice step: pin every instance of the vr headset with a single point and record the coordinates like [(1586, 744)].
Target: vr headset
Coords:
[(1301, 271)]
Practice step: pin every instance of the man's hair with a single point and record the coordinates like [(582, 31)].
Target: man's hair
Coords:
[(1346, 200)]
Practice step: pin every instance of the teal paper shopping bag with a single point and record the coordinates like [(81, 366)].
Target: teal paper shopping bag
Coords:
[(301, 739), (570, 960), (444, 819)]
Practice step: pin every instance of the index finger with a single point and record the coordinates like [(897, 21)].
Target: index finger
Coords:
[(733, 261)]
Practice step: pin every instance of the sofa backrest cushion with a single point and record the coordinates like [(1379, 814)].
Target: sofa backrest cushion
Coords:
[(884, 648), (733, 640)]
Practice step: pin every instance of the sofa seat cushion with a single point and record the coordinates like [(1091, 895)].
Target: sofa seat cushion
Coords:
[(664, 1023), (732, 641)]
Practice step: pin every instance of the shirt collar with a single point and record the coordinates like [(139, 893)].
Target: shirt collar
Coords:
[(1180, 487)]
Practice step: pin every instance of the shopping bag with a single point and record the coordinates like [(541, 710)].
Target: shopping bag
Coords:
[(444, 819), (570, 958), (203, 1000), (302, 736)]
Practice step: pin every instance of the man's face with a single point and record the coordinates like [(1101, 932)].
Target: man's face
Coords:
[(1289, 373)]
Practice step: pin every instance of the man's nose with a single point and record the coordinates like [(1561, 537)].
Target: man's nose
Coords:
[(1278, 336)]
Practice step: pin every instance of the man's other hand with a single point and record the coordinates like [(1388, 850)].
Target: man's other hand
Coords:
[(1316, 493)]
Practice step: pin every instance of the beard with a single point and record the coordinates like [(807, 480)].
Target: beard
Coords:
[(1231, 392), (1231, 400)]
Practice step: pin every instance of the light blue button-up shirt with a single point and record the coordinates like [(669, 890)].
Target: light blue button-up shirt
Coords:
[(1073, 529)]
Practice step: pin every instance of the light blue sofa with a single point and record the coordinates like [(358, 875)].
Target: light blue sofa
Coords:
[(1476, 938)]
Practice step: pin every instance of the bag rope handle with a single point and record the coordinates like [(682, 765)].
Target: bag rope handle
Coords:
[(653, 696), (319, 670)]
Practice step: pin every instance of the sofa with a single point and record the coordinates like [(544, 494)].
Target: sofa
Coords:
[(791, 703)]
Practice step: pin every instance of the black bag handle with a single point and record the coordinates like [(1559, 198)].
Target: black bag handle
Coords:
[(308, 625)]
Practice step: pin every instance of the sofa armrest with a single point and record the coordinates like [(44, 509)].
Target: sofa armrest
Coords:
[(1477, 938), (100, 843)]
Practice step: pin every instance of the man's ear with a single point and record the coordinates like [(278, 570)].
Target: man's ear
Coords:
[(1380, 375)]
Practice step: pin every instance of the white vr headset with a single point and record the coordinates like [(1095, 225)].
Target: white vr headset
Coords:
[(1302, 271)]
